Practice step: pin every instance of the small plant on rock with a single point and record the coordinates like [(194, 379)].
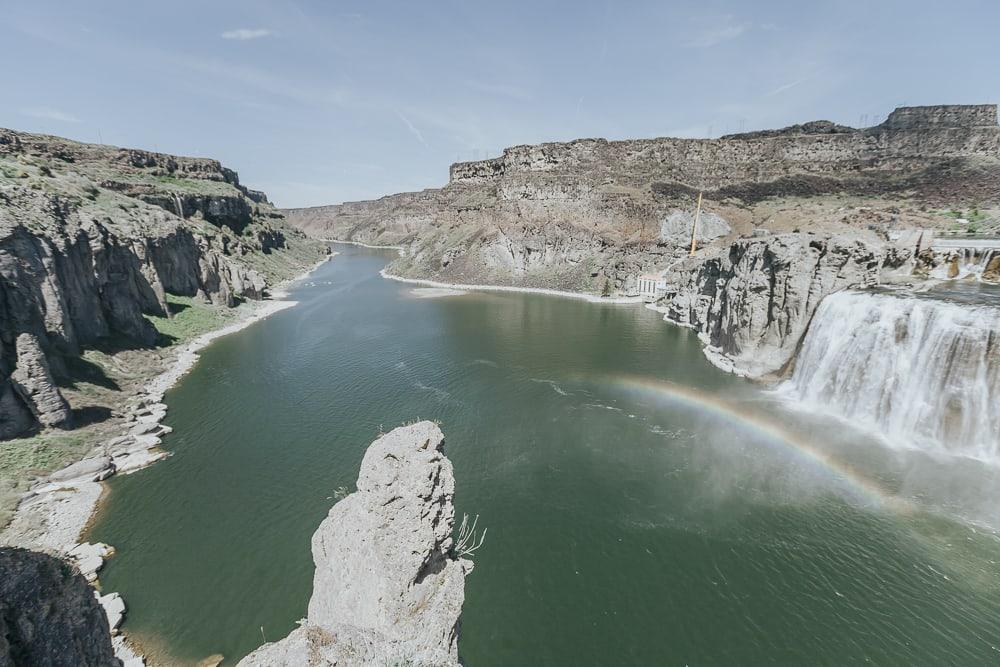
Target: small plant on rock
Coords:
[(467, 544)]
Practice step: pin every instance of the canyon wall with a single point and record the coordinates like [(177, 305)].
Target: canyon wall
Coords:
[(389, 586), (911, 139), (591, 215), (93, 238)]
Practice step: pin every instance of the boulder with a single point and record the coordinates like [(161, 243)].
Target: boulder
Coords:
[(93, 469)]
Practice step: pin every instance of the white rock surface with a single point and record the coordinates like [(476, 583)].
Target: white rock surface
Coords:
[(93, 469), (90, 558), (387, 588), (114, 607)]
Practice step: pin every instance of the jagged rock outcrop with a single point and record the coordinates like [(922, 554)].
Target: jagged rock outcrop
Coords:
[(93, 238), (388, 587), (591, 214), (33, 382), (49, 615), (751, 303)]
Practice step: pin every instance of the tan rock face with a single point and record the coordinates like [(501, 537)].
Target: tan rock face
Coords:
[(388, 588), (992, 272)]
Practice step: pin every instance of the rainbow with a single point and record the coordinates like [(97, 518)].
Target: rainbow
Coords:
[(769, 429)]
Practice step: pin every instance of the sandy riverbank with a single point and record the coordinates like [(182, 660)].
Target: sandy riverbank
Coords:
[(400, 248), (54, 514), (506, 288), (435, 292)]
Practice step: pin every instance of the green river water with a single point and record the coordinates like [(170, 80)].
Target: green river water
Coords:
[(643, 507)]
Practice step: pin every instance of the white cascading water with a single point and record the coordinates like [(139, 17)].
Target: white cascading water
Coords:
[(923, 372), (972, 264)]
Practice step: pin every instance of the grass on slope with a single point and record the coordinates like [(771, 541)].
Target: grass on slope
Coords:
[(191, 318), (22, 460)]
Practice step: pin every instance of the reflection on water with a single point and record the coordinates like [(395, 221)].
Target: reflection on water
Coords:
[(624, 528)]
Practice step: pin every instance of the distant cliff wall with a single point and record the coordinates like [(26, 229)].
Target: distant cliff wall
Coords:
[(590, 215), (910, 139)]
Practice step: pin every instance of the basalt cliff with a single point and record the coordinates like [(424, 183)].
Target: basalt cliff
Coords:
[(788, 217), (49, 614), (389, 586), (101, 249)]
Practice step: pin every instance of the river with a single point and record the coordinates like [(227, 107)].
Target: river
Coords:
[(643, 507)]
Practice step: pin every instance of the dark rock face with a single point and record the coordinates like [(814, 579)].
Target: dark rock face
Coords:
[(49, 616)]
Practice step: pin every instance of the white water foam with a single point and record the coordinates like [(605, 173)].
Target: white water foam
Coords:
[(924, 373)]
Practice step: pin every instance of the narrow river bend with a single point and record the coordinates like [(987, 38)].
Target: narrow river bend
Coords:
[(643, 507)]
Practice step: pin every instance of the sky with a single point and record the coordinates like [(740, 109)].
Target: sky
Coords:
[(323, 102)]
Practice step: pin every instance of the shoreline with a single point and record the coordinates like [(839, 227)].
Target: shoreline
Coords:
[(507, 288), (57, 511), (400, 248), (488, 288)]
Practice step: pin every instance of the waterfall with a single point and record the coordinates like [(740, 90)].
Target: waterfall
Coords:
[(972, 262), (923, 372), (180, 205)]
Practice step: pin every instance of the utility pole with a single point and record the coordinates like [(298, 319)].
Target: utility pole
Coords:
[(694, 231)]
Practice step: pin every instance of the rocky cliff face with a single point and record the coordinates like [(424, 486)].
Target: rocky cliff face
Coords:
[(751, 303), (92, 238), (388, 587), (591, 215), (49, 614)]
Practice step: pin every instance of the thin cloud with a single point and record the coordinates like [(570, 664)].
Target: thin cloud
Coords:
[(716, 36), (412, 128), (46, 113), (243, 34), (785, 86)]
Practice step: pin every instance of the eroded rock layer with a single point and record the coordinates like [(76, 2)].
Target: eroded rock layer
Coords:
[(751, 303), (590, 214)]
